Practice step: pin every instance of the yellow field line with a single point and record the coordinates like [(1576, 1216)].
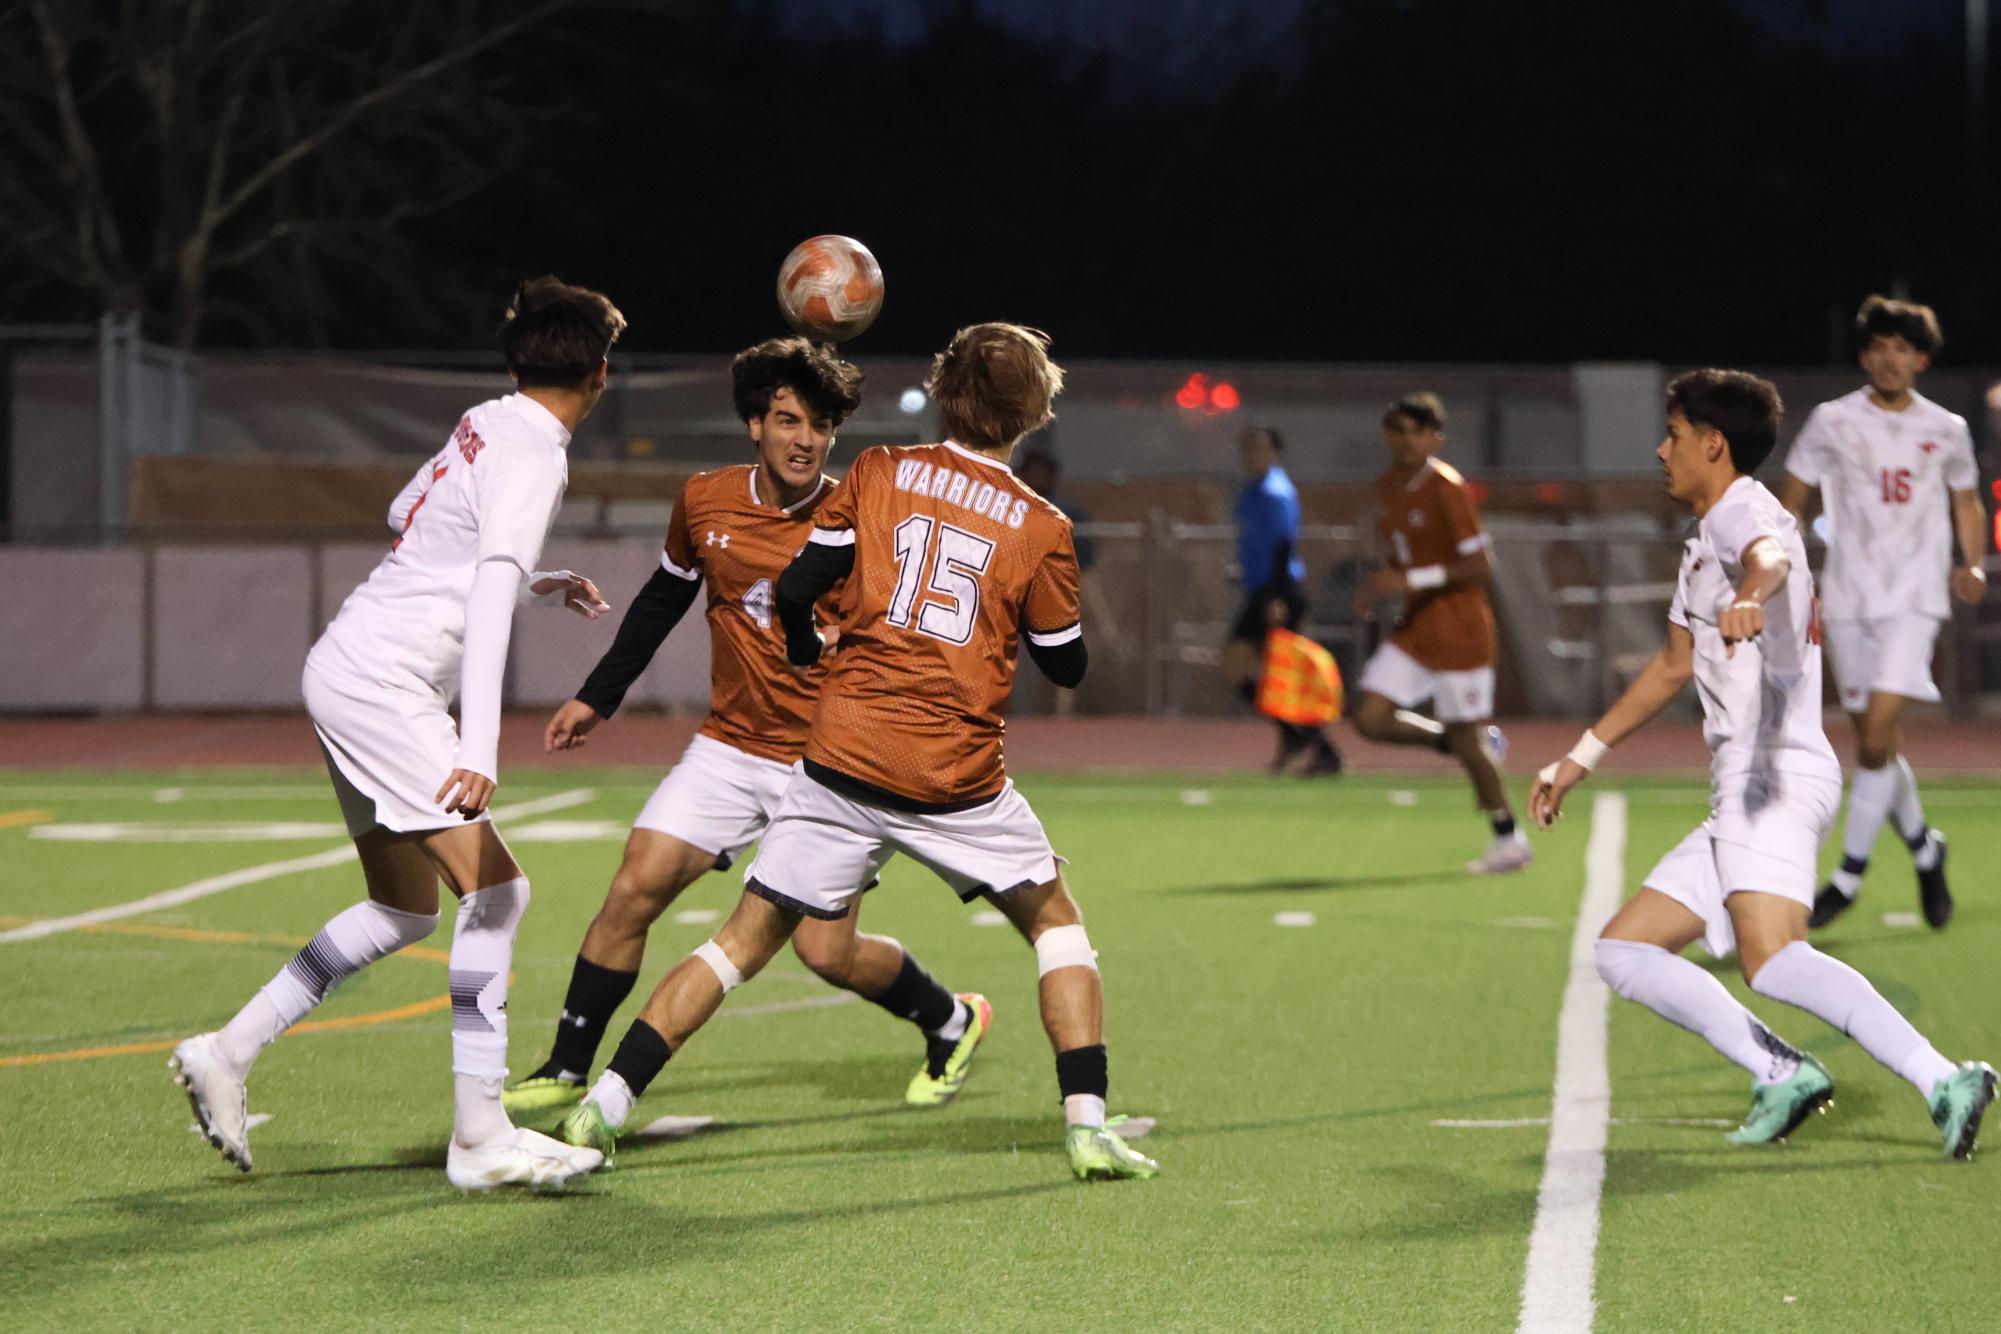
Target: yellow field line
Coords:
[(11, 819), (414, 1010)]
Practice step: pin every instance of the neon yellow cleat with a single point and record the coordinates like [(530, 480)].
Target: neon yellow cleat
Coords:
[(1098, 1154), (541, 1093), (586, 1128), (928, 1090)]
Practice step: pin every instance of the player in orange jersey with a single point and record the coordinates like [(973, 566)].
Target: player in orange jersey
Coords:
[(947, 564), (1443, 648), (734, 530)]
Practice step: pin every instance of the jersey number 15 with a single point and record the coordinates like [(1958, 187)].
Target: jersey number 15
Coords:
[(953, 604)]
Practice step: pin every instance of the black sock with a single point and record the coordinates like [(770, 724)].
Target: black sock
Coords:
[(1916, 842), (1854, 865), (917, 996), (1503, 822), (640, 1055), (1083, 1070), (594, 996)]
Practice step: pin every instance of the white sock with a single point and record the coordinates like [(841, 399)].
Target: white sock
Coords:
[(954, 1028), (482, 953), (614, 1098), (1683, 994), (1083, 1109), (1869, 800), (1908, 814), (1822, 985), (354, 939)]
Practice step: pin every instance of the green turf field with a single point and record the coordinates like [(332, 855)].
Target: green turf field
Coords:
[(1296, 1071)]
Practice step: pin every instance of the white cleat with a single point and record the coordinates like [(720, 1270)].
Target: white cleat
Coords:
[(523, 1157), (215, 1091), (1504, 856)]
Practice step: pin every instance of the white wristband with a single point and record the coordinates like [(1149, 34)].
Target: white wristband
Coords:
[(1426, 576), (1589, 752)]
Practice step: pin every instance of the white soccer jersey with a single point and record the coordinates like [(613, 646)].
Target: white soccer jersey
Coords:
[(490, 493), (1760, 705), (1883, 478)]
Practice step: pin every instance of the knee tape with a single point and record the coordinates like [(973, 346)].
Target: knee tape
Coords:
[(719, 963), (1064, 947)]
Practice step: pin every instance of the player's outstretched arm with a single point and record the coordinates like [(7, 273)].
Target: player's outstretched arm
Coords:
[(655, 611), (489, 625), (1969, 525), (564, 588), (1658, 682)]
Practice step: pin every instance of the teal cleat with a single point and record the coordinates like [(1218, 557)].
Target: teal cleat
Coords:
[(1777, 1109), (586, 1128), (1958, 1102), (1098, 1154)]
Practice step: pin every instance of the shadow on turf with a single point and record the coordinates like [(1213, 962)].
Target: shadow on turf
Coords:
[(1402, 880)]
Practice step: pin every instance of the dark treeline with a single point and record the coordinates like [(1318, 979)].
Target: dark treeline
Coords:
[(1430, 179)]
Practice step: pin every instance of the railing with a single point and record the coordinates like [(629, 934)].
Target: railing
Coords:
[(226, 627)]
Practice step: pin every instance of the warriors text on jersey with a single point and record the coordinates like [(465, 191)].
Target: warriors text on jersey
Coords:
[(955, 560), (1429, 520), (738, 542)]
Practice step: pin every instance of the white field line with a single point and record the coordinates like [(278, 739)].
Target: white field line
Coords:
[(1557, 1295), (787, 1007), (1522, 1122), (251, 875)]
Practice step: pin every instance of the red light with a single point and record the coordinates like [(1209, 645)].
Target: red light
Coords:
[(1995, 488), (1194, 391), (1224, 397), (1549, 493)]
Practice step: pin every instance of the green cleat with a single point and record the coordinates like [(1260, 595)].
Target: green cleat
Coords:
[(929, 1090), (586, 1128), (1777, 1109), (1958, 1102), (1098, 1154), (541, 1093)]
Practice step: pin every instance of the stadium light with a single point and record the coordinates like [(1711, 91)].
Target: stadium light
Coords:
[(1194, 392), (1225, 398)]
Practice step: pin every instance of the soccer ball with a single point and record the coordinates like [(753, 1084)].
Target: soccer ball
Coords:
[(830, 288)]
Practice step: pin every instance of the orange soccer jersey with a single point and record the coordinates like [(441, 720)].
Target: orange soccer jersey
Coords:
[(954, 561), (738, 542), (1430, 520)]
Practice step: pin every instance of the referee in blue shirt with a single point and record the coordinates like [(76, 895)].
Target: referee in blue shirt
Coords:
[(1267, 519)]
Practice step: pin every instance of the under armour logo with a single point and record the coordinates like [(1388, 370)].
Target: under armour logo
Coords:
[(1928, 446), (722, 541)]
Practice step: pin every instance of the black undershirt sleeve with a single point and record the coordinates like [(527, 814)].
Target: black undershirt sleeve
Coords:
[(805, 581), (657, 609), (1062, 663)]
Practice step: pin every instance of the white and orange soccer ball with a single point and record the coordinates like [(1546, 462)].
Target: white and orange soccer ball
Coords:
[(830, 288)]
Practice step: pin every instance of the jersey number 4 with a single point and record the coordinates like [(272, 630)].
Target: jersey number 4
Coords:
[(954, 601), (1896, 486)]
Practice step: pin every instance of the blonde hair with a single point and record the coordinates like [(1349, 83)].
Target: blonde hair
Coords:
[(993, 384)]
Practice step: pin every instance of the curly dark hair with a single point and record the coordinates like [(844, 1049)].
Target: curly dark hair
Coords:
[(828, 386), (1881, 317)]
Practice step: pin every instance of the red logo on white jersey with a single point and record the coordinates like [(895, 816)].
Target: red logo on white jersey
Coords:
[(467, 439), (1928, 446)]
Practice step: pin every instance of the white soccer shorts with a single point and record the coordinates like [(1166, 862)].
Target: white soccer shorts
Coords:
[(1765, 839), (388, 750), (1457, 697), (1892, 654), (717, 798), (822, 846)]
